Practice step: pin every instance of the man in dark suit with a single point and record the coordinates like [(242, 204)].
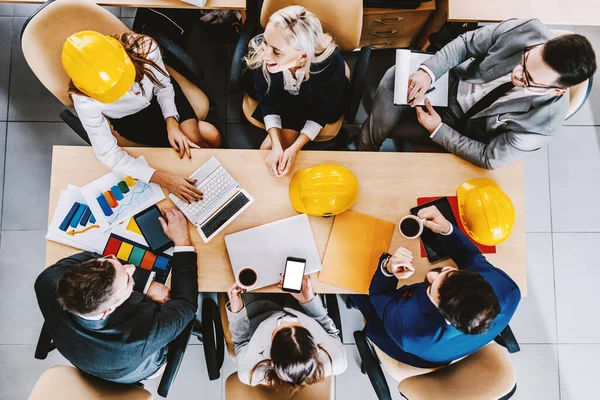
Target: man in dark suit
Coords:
[(106, 329), (453, 313)]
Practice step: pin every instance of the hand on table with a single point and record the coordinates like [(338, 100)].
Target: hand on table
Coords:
[(235, 299), (176, 227), (274, 160), (418, 84), (434, 220), (306, 293), (287, 161), (178, 185), (400, 264), (158, 293)]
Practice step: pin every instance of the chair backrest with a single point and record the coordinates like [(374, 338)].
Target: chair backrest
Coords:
[(46, 31), (577, 94), (342, 19), (484, 375), (65, 382), (235, 390)]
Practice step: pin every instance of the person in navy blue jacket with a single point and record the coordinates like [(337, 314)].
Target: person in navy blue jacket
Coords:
[(298, 78), (452, 314)]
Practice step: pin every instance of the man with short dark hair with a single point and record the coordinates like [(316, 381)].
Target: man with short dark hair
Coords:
[(508, 94), (102, 326), (452, 314)]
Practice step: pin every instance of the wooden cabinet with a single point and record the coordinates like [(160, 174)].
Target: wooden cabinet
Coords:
[(385, 28)]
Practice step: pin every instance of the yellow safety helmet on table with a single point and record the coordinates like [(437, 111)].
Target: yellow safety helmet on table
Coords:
[(98, 65), (323, 190), (487, 213)]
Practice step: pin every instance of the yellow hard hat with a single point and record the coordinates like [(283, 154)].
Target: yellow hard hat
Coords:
[(98, 65), (323, 190), (486, 211)]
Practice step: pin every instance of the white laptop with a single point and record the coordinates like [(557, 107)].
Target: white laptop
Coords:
[(223, 201), (266, 247)]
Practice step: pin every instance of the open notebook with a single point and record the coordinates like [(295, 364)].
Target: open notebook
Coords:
[(408, 62)]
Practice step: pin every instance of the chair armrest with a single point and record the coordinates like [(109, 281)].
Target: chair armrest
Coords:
[(210, 333), (176, 352), (178, 58), (357, 83), (74, 123), (371, 364), (248, 31), (44, 344), (507, 339), (330, 302)]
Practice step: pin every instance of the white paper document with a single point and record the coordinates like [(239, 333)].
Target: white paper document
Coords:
[(408, 62)]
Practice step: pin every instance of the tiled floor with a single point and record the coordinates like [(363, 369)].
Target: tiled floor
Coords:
[(557, 324)]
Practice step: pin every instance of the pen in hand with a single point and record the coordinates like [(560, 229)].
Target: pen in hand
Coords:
[(426, 93)]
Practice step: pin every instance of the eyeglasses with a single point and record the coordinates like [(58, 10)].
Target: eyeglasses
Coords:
[(527, 80)]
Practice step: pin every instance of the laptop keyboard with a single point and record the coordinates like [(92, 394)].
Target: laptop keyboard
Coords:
[(214, 187), (220, 218)]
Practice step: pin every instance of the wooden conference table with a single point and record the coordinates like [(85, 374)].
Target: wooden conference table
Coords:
[(389, 183)]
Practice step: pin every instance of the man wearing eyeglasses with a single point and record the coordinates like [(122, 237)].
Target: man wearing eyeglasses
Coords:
[(508, 93), (102, 326)]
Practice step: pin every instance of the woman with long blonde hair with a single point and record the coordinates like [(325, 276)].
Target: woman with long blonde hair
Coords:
[(299, 82)]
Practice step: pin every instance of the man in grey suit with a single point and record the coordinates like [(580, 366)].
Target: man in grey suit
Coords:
[(508, 94)]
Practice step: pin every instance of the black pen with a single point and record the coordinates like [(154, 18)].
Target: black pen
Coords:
[(427, 92)]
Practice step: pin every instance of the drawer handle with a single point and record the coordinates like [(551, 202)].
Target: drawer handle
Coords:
[(379, 45), (383, 34), (389, 21)]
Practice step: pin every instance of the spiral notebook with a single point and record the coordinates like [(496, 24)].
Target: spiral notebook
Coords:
[(407, 62)]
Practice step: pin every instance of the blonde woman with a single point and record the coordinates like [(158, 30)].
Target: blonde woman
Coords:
[(299, 82)]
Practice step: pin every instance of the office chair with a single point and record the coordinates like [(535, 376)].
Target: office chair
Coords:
[(65, 382), (204, 329), (235, 389), (44, 33), (484, 375), (343, 23)]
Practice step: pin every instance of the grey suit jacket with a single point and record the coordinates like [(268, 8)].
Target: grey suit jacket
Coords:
[(506, 130), (253, 346)]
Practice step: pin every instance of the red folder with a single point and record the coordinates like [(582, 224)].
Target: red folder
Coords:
[(453, 200)]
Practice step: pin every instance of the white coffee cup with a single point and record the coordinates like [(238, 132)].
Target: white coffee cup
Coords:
[(418, 220), (244, 285)]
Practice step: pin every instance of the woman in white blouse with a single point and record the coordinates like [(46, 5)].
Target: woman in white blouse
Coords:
[(121, 80)]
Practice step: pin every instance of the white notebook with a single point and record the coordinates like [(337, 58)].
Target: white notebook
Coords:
[(408, 62)]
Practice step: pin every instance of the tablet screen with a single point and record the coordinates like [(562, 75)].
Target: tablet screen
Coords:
[(152, 229)]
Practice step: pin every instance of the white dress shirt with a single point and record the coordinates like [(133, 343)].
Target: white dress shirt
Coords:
[(291, 83), (469, 94), (93, 113)]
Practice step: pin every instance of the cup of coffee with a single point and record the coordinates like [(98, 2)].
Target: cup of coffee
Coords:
[(246, 278), (411, 226)]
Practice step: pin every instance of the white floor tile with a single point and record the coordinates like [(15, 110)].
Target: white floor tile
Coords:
[(7, 9), (19, 371), (25, 10), (6, 26), (2, 157), (577, 276), (128, 12), (578, 371), (28, 162), (352, 384), (537, 192), (535, 319), (536, 367), (192, 380), (21, 261), (574, 164), (352, 320)]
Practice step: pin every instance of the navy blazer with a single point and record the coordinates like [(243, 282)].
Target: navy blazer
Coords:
[(415, 331), (131, 343), (322, 97)]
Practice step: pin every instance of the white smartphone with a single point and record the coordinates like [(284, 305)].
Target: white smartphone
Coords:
[(293, 274)]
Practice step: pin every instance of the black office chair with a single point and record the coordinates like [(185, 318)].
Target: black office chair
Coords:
[(44, 33), (344, 24), (485, 374), (208, 330)]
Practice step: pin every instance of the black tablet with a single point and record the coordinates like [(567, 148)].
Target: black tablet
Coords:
[(152, 230), (430, 240)]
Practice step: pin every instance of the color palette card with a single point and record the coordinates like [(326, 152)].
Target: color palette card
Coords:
[(129, 252)]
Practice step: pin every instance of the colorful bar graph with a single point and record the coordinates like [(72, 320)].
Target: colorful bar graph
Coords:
[(117, 192), (123, 186), (130, 181), (85, 217), (110, 198), (92, 219), (77, 216), (104, 205), (64, 225)]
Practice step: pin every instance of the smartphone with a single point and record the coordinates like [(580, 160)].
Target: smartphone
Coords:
[(293, 274), (152, 230)]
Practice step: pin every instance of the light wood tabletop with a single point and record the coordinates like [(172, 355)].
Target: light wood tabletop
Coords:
[(390, 184), (210, 4), (560, 12)]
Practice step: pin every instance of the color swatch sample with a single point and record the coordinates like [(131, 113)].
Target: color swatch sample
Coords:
[(141, 256), (109, 199), (79, 215)]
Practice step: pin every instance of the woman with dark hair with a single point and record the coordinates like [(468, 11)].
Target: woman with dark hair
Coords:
[(121, 80), (281, 346)]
